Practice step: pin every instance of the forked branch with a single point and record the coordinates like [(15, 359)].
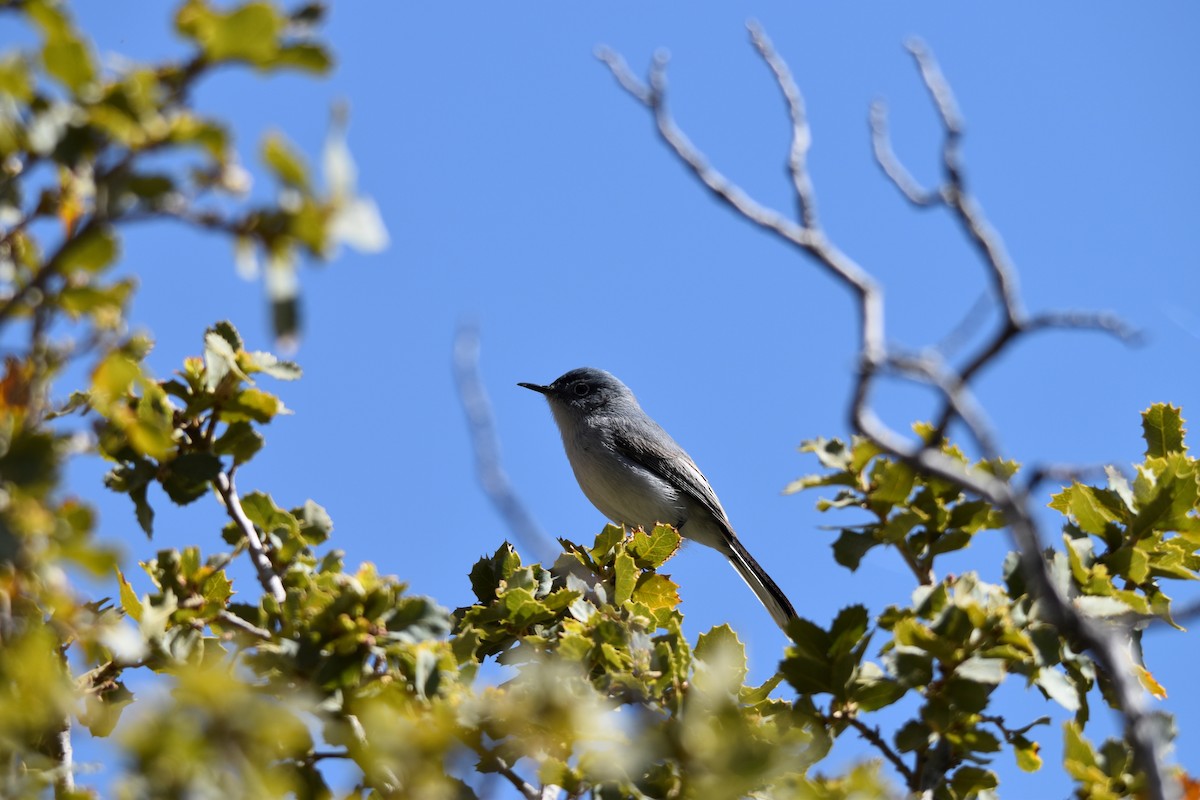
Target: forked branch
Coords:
[(953, 384)]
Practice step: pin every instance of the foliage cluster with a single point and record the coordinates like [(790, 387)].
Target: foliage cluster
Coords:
[(327, 679)]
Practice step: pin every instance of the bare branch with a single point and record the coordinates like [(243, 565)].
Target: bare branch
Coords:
[(1085, 320), (885, 156), (653, 96), (931, 371), (486, 445), (1102, 643), (801, 134), (502, 768), (809, 239), (873, 736), (234, 621), (939, 88), (262, 564)]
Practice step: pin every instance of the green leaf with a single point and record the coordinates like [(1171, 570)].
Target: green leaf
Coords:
[(269, 364), (832, 453), (625, 577), (247, 33), (188, 476), (658, 592), (102, 710), (872, 690), (851, 546), (913, 735), (91, 251), (220, 358), (1058, 687), (1091, 508), (653, 549), (893, 482), (226, 330), (606, 540), (971, 781), (15, 80), (806, 665), (129, 599), (970, 515), (239, 440), (1129, 562), (262, 511), (488, 572), (720, 649), (283, 160), (304, 56), (253, 404), (315, 522), (848, 629), (1026, 752), (758, 694), (1162, 428), (1078, 754), (142, 509), (989, 671), (65, 55)]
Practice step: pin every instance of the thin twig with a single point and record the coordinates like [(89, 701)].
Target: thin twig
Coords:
[(234, 621), (50, 268), (233, 506), (885, 156), (485, 443), (801, 133), (873, 736), (502, 768)]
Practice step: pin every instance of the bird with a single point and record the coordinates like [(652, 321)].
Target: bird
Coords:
[(636, 475)]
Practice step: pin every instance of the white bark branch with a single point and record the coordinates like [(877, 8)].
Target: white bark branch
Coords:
[(262, 564)]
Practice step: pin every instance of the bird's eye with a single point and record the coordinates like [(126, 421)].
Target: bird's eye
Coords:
[(581, 389)]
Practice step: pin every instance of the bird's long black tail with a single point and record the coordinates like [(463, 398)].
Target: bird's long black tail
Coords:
[(768, 592)]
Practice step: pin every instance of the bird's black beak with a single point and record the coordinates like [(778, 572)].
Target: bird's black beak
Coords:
[(535, 387)]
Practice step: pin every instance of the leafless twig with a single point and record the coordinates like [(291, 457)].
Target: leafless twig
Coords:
[(873, 736), (234, 621), (874, 358), (486, 445), (262, 564), (501, 767)]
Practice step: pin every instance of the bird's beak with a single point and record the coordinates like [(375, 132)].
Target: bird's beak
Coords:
[(535, 387)]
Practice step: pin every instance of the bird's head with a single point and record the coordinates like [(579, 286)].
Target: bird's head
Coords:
[(585, 391)]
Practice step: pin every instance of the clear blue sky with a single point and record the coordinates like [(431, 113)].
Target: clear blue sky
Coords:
[(523, 190)]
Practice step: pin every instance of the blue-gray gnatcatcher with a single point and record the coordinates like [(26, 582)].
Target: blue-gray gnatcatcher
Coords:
[(636, 474)]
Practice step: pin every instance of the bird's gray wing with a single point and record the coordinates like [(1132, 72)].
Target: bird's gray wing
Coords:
[(645, 443)]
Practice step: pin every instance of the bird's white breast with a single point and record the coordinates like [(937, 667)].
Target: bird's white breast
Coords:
[(622, 490)]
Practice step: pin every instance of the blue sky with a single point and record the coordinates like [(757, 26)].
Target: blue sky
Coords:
[(523, 190)]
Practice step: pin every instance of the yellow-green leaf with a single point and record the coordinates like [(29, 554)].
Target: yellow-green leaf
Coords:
[(1162, 428), (129, 598), (625, 577)]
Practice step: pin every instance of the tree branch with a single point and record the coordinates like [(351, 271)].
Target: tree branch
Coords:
[(482, 431), (266, 573), (234, 621), (64, 783), (503, 769), (874, 357), (873, 736)]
